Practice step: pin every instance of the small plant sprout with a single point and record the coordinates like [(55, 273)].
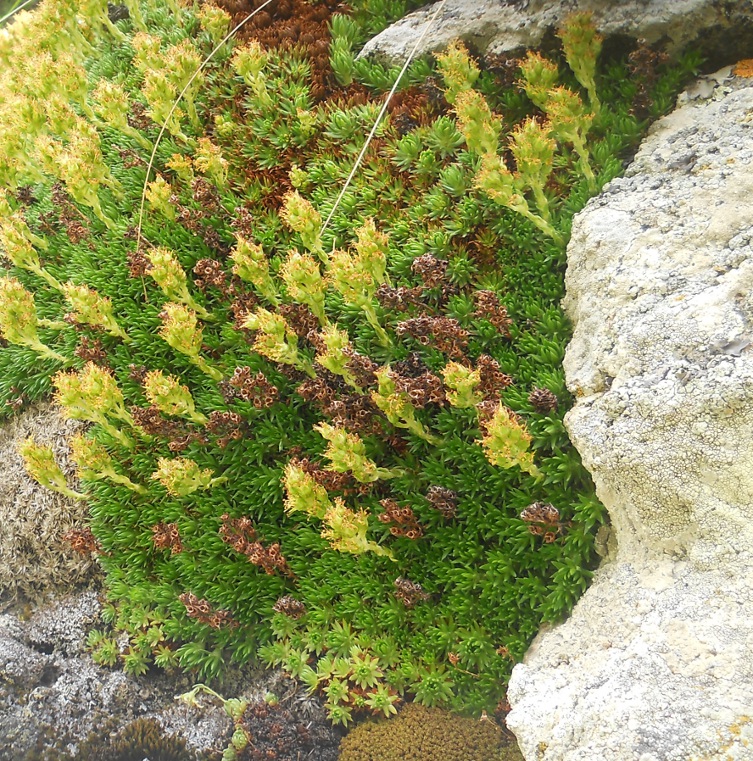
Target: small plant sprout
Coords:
[(276, 340), (534, 150), (397, 407), (164, 268), (303, 493), (180, 329), (335, 353), (19, 321), (170, 397), (16, 240), (89, 308), (251, 265), (356, 275), (304, 283), (458, 70), (209, 161), (94, 463), (506, 441), (159, 196), (92, 394), (40, 464), (478, 125), (214, 21), (347, 454), (582, 45), (248, 63), (462, 383), (365, 668), (301, 217), (111, 106), (382, 700), (346, 531), (181, 476)]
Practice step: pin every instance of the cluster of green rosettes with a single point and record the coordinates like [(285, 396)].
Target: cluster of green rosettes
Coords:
[(327, 435)]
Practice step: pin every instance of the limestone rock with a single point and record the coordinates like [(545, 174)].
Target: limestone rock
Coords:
[(498, 26), (656, 661)]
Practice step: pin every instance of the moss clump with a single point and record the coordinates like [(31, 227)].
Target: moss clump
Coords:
[(142, 738), (35, 560), (419, 733), (139, 740)]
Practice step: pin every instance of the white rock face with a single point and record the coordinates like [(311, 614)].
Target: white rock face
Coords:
[(497, 26), (656, 661)]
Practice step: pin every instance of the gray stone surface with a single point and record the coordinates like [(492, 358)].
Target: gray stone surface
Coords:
[(656, 661), (717, 27), (53, 696)]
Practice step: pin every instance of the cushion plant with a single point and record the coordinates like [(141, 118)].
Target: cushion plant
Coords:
[(324, 435)]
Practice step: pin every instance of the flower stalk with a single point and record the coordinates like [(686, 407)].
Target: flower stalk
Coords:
[(94, 463), (19, 321), (170, 397), (90, 308), (347, 454), (397, 406), (40, 464), (182, 476), (181, 331)]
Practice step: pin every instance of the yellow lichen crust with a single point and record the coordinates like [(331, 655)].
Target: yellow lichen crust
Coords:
[(419, 733)]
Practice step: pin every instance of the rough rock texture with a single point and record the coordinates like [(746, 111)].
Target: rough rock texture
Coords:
[(656, 662), (718, 27), (34, 560), (53, 696)]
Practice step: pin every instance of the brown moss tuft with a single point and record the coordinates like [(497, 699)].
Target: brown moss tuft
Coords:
[(35, 560), (291, 24), (419, 733)]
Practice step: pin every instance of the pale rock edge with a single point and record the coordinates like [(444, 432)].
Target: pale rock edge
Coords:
[(656, 661)]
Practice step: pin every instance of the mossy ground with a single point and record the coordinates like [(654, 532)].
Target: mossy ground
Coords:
[(489, 582)]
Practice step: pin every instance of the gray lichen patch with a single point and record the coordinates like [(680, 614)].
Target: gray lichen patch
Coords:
[(655, 662)]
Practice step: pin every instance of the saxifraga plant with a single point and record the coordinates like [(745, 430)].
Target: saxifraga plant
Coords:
[(340, 450)]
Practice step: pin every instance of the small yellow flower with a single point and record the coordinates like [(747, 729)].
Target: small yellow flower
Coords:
[(303, 493), (506, 442), (181, 476), (251, 265), (301, 217), (170, 397), (463, 382), (90, 308), (346, 531), (457, 69)]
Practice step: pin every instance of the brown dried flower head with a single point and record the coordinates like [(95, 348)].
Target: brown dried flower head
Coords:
[(409, 593), (444, 500), (488, 307)]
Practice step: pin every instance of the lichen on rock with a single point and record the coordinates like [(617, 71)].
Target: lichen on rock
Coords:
[(655, 662)]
